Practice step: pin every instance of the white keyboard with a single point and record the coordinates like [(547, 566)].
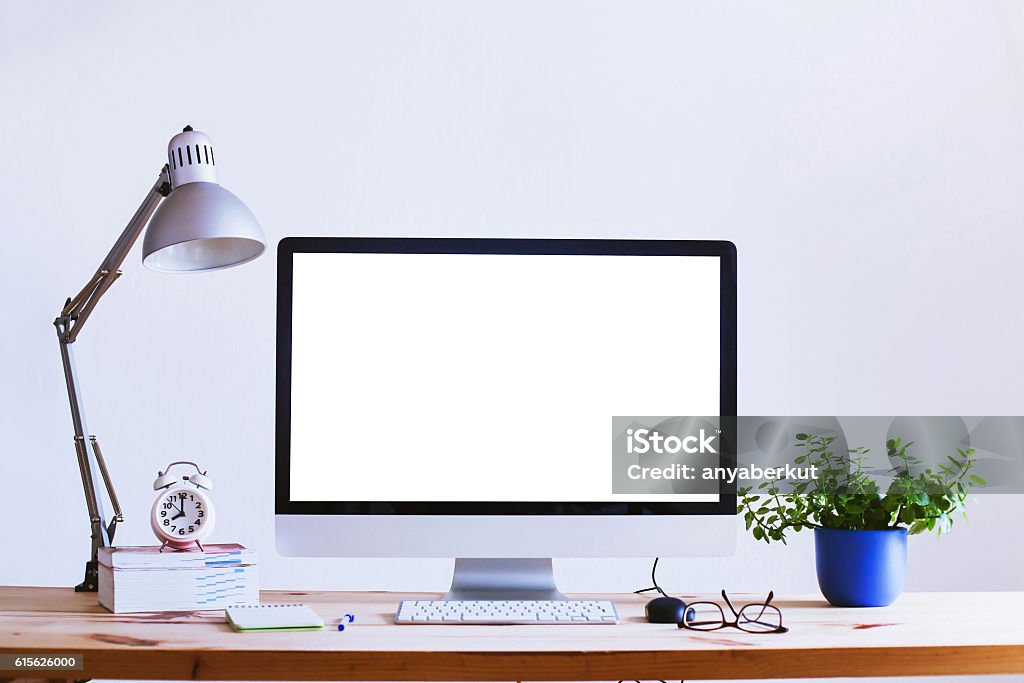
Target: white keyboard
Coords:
[(506, 612)]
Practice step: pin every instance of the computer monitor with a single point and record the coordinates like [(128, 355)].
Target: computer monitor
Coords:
[(454, 398)]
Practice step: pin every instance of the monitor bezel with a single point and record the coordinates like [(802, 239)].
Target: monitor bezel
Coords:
[(289, 246)]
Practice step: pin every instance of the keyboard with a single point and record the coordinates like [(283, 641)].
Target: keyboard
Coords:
[(506, 612)]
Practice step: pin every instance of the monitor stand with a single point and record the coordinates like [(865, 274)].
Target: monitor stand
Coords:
[(503, 579)]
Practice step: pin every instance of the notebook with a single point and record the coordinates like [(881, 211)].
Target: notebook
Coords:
[(269, 617)]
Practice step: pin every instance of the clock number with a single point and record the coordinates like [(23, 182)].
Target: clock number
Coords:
[(167, 522), (183, 495), (163, 513), (199, 512), (168, 506), (191, 529), (181, 531)]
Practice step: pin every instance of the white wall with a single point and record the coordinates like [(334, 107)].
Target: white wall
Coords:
[(866, 157)]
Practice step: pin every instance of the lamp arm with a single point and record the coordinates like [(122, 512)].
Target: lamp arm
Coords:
[(78, 308), (76, 311)]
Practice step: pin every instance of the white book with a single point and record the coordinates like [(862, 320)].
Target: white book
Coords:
[(141, 557), (174, 590)]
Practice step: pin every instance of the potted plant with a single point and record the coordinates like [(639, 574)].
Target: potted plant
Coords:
[(860, 532)]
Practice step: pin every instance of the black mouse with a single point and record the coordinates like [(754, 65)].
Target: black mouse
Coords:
[(665, 610)]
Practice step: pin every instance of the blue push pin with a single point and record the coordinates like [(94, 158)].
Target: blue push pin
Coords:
[(341, 624)]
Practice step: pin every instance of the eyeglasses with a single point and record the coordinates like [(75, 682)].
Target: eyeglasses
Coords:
[(759, 617)]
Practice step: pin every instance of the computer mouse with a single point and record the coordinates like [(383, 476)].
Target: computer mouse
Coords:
[(665, 610)]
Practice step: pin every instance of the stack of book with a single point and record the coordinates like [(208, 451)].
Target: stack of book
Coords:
[(144, 579)]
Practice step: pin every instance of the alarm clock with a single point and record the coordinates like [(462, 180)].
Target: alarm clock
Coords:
[(182, 514)]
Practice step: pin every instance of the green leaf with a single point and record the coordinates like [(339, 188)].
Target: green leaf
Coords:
[(978, 480)]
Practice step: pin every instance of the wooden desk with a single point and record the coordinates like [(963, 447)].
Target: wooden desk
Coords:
[(922, 634)]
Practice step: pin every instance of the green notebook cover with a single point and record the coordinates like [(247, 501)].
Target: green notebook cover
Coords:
[(295, 617)]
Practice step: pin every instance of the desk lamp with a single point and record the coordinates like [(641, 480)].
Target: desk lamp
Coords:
[(195, 225)]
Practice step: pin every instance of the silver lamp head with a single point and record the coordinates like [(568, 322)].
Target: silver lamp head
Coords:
[(200, 225)]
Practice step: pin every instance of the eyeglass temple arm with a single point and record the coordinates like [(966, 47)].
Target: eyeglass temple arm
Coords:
[(729, 603)]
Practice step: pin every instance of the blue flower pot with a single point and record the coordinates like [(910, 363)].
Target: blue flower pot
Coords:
[(860, 568)]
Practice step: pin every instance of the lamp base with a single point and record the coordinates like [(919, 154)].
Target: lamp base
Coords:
[(91, 584)]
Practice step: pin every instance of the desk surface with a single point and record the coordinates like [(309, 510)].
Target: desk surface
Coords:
[(921, 634)]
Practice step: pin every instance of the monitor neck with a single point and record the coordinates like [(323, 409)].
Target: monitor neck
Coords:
[(503, 579)]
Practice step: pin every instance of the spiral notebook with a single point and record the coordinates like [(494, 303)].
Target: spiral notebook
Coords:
[(272, 617)]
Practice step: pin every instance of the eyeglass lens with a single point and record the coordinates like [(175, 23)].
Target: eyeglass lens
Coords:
[(759, 618), (704, 616)]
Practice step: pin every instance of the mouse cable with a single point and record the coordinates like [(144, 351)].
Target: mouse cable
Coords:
[(654, 582)]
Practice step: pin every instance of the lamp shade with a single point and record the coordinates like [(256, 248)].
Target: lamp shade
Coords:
[(201, 226)]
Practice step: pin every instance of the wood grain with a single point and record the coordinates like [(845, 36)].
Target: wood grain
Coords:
[(922, 634)]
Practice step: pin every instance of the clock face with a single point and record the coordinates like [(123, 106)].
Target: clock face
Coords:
[(180, 514)]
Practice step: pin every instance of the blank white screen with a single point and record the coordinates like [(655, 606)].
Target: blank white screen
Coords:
[(471, 377)]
